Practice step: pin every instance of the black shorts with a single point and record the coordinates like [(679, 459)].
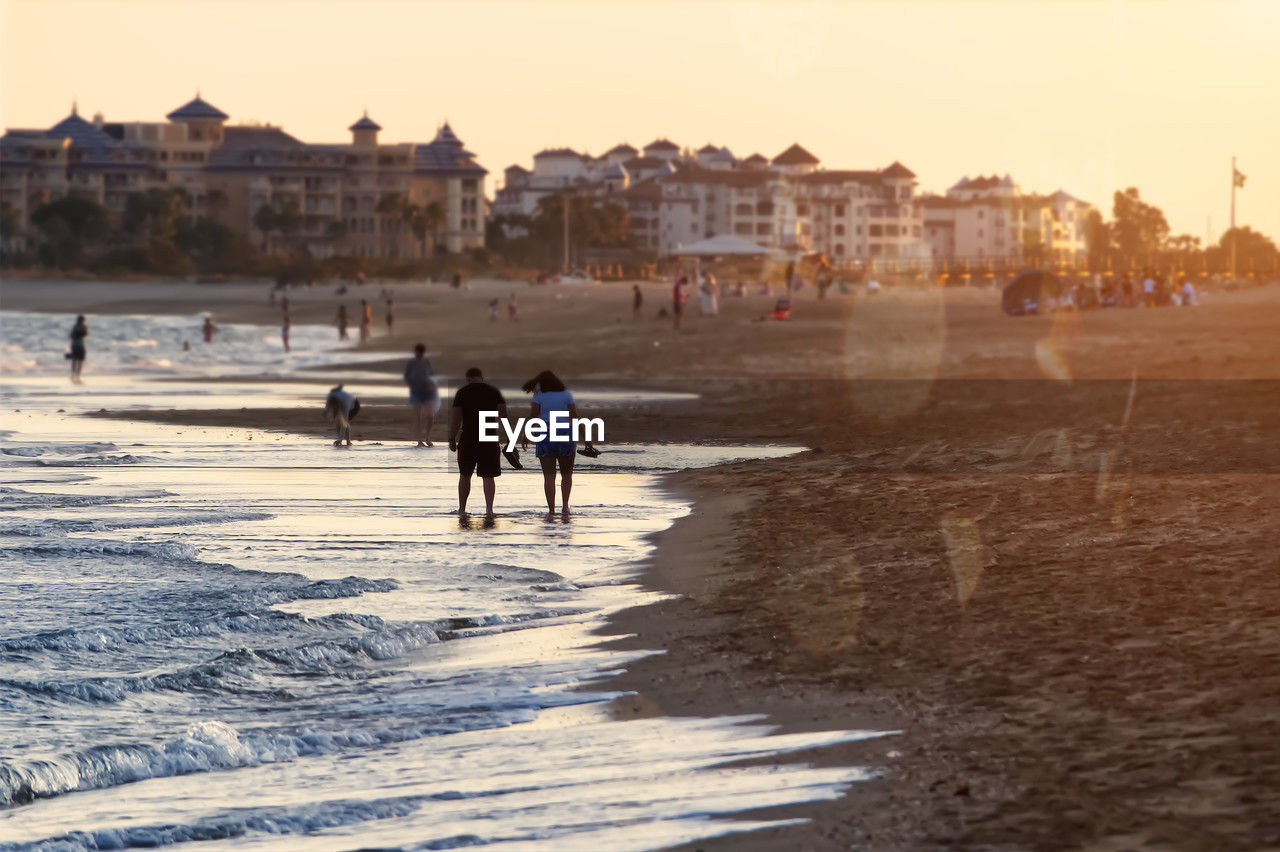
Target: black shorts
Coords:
[(481, 457)]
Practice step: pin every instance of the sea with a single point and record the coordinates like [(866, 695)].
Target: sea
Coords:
[(255, 640)]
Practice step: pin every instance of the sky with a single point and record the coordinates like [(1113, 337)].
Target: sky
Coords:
[(1086, 96)]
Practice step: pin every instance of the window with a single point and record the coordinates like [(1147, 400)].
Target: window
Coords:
[(764, 228), (904, 193), (891, 230), (979, 233), (857, 229), (875, 230), (742, 209), (981, 213), (764, 208), (743, 228), (839, 209), (802, 209), (839, 230), (840, 249)]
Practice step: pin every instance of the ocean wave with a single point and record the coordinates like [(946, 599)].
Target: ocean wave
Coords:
[(238, 672), (242, 822), (16, 498), (264, 621), (97, 460), (173, 551), (33, 450), (209, 746), (81, 525)]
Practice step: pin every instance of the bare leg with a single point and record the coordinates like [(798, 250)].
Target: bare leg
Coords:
[(566, 482), (464, 491), (417, 423), (429, 415), (490, 488), (549, 482)]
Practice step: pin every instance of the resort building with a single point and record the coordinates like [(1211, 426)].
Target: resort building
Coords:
[(787, 203), (989, 219), (366, 198)]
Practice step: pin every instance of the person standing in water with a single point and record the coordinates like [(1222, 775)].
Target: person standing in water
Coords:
[(513, 310), (550, 396), (474, 455), (366, 320), (493, 309), (391, 316), (424, 395), (341, 322), (285, 328), (341, 406), (79, 332), (209, 329), (637, 301)]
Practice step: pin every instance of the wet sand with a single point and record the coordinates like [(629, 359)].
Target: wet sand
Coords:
[(1043, 548)]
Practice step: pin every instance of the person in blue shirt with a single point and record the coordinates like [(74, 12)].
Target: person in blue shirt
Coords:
[(424, 395), (549, 396)]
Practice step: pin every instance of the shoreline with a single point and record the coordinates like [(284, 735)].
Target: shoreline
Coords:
[(1063, 590)]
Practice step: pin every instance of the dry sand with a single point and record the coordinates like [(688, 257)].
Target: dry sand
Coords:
[(1045, 549)]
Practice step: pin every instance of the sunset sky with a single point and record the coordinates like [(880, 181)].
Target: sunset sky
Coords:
[(1086, 96)]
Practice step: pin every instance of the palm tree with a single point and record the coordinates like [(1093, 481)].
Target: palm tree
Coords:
[(432, 219)]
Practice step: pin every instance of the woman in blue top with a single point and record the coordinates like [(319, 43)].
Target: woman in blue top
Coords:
[(549, 396)]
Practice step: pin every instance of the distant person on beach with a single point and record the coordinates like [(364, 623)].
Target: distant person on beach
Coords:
[(341, 322), (366, 320), (677, 301), (549, 396), (424, 395), (475, 456), (209, 329), (1188, 293), (493, 309), (284, 303), (76, 356), (285, 327), (1149, 291), (637, 301), (391, 316), (513, 309), (342, 407), (456, 281)]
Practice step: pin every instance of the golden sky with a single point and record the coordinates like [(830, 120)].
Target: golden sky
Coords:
[(1086, 96)]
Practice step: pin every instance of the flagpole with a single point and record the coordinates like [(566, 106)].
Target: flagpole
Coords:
[(1233, 219)]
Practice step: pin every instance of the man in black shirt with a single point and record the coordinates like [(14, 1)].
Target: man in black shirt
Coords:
[(475, 456)]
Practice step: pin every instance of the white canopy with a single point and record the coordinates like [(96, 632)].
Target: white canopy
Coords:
[(720, 245)]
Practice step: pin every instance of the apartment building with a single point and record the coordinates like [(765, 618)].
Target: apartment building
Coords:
[(990, 219), (787, 203), (354, 198)]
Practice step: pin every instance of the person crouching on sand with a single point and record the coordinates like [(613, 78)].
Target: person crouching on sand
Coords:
[(474, 455), (424, 396), (341, 406), (549, 396)]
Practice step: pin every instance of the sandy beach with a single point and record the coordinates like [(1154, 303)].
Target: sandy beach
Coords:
[(1044, 549)]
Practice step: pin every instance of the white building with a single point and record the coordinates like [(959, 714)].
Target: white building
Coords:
[(990, 219), (788, 203)]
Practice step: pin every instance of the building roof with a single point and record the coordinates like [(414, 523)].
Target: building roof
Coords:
[(245, 136), (624, 148), (708, 149), (663, 144), (197, 107), (557, 153), (897, 170), (446, 154), (827, 176), (979, 182), (723, 155), (365, 123), (636, 164), (81, 133), (698, 174), (756, 159), (516, 168), (796, 155), (615, 171)]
